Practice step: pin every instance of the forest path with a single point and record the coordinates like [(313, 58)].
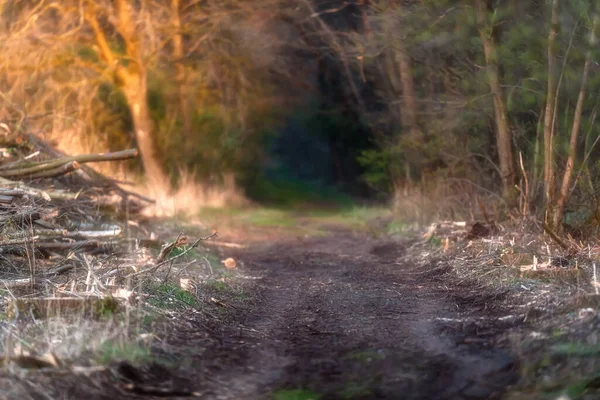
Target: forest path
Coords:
[(341, 317)]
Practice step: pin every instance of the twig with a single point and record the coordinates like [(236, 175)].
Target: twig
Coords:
[(526, 200), (554, 236), (595, 279), (164, 252), (160, 264), (192, 246)]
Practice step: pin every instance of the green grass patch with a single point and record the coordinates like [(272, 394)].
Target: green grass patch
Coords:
[(269, 217), (299, 220), (168, 295), (219, 286), (397, 228), (295, 394), (576, 349), (111, 350), (227, 290), (354, 390)]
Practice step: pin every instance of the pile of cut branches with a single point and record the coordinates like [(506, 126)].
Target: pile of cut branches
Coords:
[(58, 219)]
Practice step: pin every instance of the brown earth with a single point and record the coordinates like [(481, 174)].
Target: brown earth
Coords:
[(341, 316), (345, 316)]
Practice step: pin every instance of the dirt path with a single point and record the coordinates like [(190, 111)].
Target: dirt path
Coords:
[(338, 316)]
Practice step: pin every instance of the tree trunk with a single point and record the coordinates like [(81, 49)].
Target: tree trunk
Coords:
[(538, 159), (408, 104), (180, 75), (549, 113), (503, 133), (563, 196), (133, 81), (136, 92)]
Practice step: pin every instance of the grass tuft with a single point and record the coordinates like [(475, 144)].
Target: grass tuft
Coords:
[(295, 394)]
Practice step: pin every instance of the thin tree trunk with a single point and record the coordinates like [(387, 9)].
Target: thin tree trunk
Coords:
[(136, 93), (409, 104), (563, 196), (394, 89), (409, 109), (538, 159), (180, 75), (343, 57), (550, 110), (503, 133), (134, 86), (132, 80)]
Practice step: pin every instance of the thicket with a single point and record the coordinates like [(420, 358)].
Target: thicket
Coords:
[(457, 99)]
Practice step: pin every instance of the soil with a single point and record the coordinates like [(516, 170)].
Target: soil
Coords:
[(338, 316), (345, 317)]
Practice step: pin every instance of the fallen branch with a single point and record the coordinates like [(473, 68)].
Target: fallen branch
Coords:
[(52, 173), (12, 283), (4, 199), (31, 167), (164, 252), (20, 187), (554, 236), (164, 262)]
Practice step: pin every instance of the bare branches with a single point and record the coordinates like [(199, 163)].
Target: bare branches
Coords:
[(564, 193), (99, 35)]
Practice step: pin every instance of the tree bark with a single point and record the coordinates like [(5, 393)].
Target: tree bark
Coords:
[(503, 133), (549, 113), (563, 196), (408, 104), (132, 80), (136, 94), (180, 75)]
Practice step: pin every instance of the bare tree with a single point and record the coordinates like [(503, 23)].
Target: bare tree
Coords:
[(565, 189), (503, 132), (180, 72), (130, 75), (549, 113)]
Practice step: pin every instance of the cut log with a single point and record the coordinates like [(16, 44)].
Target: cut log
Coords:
[(47, 195), (13, 283), (4, 199), (52, 173), (28, 167)]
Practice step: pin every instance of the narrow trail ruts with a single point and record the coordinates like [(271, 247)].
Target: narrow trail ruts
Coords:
[(339, 316)]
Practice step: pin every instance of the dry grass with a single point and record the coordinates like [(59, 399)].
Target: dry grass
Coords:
[(548, 317), (190, 196), (446, 199), (186, 199)]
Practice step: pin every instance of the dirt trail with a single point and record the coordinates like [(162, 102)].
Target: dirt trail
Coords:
[(340, 317)]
